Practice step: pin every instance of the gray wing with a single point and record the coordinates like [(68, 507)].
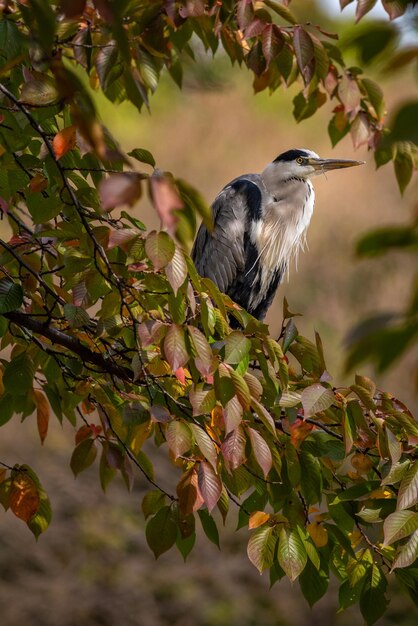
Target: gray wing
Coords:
[(221, 254)]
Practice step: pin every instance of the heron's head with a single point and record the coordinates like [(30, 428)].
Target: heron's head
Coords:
[(306, 163)]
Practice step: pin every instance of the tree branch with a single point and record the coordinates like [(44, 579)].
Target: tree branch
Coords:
[(71, 343)]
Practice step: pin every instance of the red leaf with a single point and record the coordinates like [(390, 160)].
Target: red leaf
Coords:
[(118, 189), (233, 448), (175, 347), (210, 485), (165, 199), (254, 28), (261, 451), (72, 8), (245, 13), (84, 432), (272, 42), (305, 52), (64, 141), (363, 7)]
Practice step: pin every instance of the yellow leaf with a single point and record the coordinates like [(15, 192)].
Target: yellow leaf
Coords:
[(257, 519), (318, 534), (361, 463)]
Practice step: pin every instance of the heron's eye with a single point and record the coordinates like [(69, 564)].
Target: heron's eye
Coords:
[(300, 160)]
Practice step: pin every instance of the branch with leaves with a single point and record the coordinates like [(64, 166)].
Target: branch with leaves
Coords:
[(111, 328)]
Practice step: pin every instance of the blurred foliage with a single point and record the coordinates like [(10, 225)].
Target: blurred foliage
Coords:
[(385, 338), (111, 328)]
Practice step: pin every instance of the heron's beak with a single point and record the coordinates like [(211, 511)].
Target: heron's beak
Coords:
[(324, 165)]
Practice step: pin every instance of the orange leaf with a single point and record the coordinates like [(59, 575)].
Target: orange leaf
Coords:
[(299, 430), (180, 375), (24, 497), (257, 519), (84, 432), (42, 413), (318, 533), (190, 498), (217, 418), (64, 141)]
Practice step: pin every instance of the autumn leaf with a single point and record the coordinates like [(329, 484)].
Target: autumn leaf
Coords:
[(258, 518), (42, 413), (119, 189), (64, 141), (188, 492), (24, 496), (165, 199)]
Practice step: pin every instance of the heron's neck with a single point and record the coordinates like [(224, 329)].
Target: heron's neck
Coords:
[(283, 182)]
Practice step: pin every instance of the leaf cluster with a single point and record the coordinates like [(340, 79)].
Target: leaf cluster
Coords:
[(109, 326)]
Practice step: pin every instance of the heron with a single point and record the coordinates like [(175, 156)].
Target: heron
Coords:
[(259, 225)]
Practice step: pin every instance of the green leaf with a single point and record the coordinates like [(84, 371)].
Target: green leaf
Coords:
[(161, 531), (83, 456), (176, 270), (237, 347), (404, 165), (281, 10), (142, 155), (375, 95), (18, 375), (311, 477), (209, 526), (205, 444), (261, 547), (316, 398), (202, 400), (179, 437), (76, 316), (160, 248), (11, 295), (381, 240), (398, 525), (291, 552), (43, 209), (40, 91), (373, 601), (204, 358), (408, 553), (408, 490), (313, 583), (152, 502)]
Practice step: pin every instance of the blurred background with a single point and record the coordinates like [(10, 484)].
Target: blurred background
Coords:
[(92, 566)]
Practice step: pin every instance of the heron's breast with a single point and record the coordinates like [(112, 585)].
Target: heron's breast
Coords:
[(281, 232)]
